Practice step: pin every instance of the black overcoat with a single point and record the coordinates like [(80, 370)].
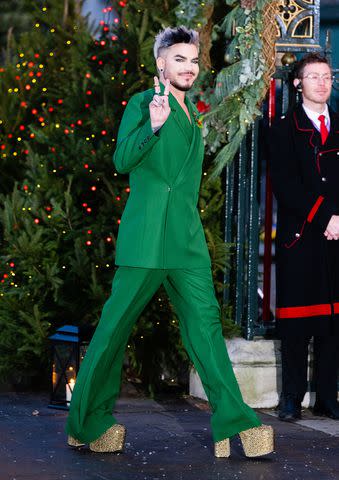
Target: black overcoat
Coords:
[(305, 178)]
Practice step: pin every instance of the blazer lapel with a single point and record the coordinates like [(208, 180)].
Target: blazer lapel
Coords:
[(333, 136), (304, 126)]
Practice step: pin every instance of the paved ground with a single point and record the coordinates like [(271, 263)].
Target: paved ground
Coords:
[(166, 440)]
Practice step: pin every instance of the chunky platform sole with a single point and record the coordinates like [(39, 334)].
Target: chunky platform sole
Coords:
[(255, 441), (112, 440)]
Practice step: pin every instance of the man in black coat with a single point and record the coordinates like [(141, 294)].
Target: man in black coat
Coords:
[(304, 160)]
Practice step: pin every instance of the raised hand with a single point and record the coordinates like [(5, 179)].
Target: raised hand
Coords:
[(159, 108)]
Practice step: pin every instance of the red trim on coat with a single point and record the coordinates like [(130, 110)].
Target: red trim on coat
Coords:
[(289, 245), (304, 130), (308, 311), (336, 307), (315, 208)]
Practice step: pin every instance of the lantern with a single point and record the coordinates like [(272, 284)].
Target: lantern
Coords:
[(68, 350)]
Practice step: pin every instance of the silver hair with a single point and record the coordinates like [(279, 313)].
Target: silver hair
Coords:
[(170, 36)]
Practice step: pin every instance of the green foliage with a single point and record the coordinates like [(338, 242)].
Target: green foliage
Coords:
[(61, 199)]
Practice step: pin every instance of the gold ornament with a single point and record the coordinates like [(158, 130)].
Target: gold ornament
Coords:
[(288, 59)]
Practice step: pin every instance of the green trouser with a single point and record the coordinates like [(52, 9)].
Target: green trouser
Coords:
[(191, 292)]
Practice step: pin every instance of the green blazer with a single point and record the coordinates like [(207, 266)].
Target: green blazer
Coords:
[(160, 226)]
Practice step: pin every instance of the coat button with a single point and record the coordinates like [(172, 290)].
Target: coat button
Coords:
[(169, 189), (297, 235), (323, 179)]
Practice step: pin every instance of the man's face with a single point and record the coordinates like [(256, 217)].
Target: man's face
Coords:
[(317, 82), (180, 64)]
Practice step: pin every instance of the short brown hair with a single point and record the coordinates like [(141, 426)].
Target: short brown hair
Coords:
[(307, 60)]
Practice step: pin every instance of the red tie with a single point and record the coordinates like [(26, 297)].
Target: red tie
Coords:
[(323, 129)]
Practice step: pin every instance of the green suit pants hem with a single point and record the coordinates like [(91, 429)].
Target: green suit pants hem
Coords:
[(191, 292)]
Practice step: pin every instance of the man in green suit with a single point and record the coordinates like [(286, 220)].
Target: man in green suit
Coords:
[(160, 241)]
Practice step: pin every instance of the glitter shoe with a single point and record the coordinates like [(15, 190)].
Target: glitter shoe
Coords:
[(255, 441), (222, 449), (111, 441), (73, 442)]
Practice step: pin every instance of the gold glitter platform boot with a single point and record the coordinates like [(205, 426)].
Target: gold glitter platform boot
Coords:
[(255, 441), (73, 442), (111, 441)]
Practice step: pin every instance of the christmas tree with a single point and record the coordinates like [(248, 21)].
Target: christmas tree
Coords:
[(61, 203)]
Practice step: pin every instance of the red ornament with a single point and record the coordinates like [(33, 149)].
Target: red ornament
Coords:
[(203, 107), (28, 87), (108, 239), (60, 101), (89, 232), (51, 109), (84, 204), (34, 111), (93, 188), (88, 243), (25, 187), (12, 264), (127, 189), (103, 132), (36, 220), (79, 122), (22, 127), (86, 165), (89, 210), (124, 103), (30, 64), (87, 105), (125, 52), (23, 104)]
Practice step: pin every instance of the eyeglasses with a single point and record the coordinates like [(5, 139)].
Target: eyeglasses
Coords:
[(315, 77)]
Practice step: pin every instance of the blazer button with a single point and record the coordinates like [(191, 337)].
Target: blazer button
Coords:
[(297, 235), (323, 179)]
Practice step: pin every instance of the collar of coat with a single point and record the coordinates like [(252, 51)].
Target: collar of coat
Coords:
[(304, 125)]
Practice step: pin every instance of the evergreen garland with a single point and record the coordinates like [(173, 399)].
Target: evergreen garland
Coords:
[(241, 86)]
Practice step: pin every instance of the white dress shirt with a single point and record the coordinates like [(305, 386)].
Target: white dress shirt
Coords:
[(313, 116)]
